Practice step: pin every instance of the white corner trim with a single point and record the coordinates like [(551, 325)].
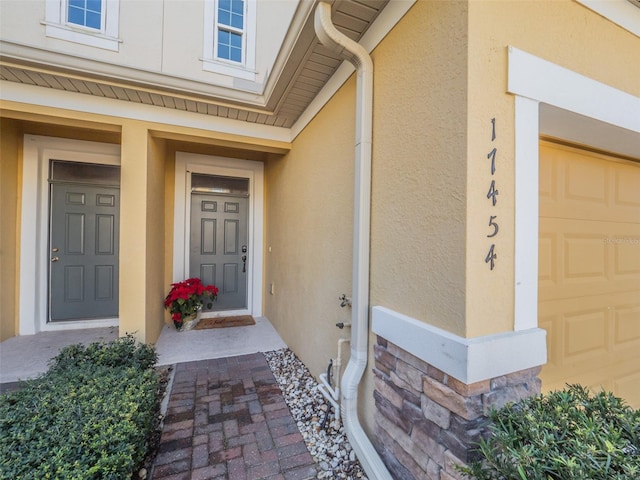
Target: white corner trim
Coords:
[(620, 12), (544, 81), (388, 18), (526, 218), (469, 360)]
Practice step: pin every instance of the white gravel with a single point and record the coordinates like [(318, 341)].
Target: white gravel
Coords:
[(328, 446)]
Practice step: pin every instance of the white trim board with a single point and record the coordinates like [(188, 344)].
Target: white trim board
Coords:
[(47, 97), (196, 163), (620, 12), (469, 360), (555, 101), (34, 225)]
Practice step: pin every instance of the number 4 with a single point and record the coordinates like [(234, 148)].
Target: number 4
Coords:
[(491, 256), (492, 193)]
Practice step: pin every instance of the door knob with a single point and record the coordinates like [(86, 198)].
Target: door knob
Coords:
[(244, 263), (55, 259)]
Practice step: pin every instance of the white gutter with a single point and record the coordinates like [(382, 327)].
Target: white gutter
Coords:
[(356, 54)]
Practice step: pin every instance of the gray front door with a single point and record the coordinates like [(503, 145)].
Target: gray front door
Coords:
[(219, 246), (84, 232)]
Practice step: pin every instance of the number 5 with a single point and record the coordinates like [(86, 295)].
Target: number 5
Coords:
[(494, 225)]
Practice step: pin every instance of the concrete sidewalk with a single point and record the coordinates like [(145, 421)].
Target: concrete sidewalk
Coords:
[(227, 419)]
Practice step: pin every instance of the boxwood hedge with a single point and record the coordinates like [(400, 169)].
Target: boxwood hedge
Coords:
[(569, 434), (89, 417)]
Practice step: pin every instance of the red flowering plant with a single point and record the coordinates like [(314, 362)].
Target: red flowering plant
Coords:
[(187, 297)]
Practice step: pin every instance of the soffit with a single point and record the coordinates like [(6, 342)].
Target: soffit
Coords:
[(304, 69)]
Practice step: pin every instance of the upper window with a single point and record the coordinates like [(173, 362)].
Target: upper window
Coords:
[(89, 22), (230, 26), (87, 13), (229, 37)]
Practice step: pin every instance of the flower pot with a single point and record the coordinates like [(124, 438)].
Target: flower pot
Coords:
[(189, 322)]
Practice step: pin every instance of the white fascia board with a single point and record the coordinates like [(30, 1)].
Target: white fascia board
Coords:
[(47, 97), (469, 360), (546, 82), (382, 25)]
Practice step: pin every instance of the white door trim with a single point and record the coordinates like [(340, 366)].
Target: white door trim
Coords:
[(555, 101), (196, 163), (34, 226)]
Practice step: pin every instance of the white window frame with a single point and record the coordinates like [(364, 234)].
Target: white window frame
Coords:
[(56, 25), (210, 60)]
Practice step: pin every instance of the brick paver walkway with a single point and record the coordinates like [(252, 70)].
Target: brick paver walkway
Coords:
[(227, 419)]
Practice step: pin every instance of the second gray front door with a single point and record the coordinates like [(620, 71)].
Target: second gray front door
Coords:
[(219, 245), (84, 251)]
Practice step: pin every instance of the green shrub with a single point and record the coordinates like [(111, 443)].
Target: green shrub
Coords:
[(89, 417), (568, 434)]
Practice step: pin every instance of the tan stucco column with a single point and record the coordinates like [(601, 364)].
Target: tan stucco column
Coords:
[(141, 234)]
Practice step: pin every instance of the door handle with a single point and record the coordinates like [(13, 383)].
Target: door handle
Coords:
[(244, 263), (55, 259)]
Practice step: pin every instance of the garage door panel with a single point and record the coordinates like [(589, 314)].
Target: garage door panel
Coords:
[(627, 190), (585, 185), (586, 182), (628, 387), (585, 258), (548, 260), (626, 254), (586, 334), (589, 270), (578, 258), (626, 324)]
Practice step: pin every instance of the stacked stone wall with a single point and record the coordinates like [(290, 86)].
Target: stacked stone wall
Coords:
[(428, 422)]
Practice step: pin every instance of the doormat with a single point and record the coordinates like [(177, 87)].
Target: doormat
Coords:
[(222, 322)]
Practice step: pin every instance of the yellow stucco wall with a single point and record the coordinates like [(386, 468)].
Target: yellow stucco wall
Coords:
[(147, 190), (562, 32), (309, 232), (419, 162), (418, 196), (440, 77), (9, 249)]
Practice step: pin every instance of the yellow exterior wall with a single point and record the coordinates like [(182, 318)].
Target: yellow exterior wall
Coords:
[(418, 196), (419, 157), (9, 247), (565, 33), (147, 191), (156, 238), (309, 233)]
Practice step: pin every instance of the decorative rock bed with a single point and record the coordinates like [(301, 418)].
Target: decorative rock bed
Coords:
[(326, 439)]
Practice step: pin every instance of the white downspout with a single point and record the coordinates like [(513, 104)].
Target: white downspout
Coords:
[(354, 52)]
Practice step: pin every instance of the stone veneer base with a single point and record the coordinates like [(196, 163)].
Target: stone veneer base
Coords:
[(427, 421)]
